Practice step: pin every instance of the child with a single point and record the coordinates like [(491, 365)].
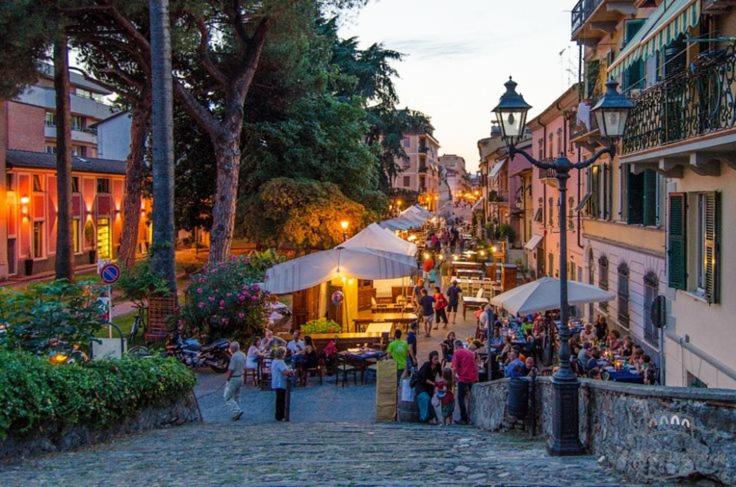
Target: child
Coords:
[(280, 373), (444, 398)]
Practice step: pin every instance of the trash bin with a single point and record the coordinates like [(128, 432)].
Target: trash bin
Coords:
[(408, 410), (518, 398)]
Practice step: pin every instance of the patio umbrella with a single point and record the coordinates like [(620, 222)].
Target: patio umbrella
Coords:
[(375, 237), (544, 294), (361, 263)]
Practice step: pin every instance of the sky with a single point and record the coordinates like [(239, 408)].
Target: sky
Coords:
[(459, 53)]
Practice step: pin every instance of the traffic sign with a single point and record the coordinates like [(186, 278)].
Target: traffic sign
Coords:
[(110, 273)]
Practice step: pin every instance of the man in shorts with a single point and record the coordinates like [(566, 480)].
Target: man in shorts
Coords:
[(453, 300)]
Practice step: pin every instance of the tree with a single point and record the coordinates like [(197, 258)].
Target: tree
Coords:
[(64, 256), (162, 260)]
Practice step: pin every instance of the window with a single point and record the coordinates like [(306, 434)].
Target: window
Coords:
[(603, 278), (76, 237), (560, 147), (407, 142), (651, 289), (37, 183), (623, 295), (37, 240), (591, 280), (703, 259), (571, 214), (104, 239), (551, 145), (551, 216), (78, 122), (642, 198), (75, 184), (50, 119), (407, 181), (600, 184), (103, 185), (551, 266), (50, 148), (540, 149)]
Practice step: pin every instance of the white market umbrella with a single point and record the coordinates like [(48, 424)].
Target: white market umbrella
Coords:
[(544, 294), (375, 237), (361, 263)]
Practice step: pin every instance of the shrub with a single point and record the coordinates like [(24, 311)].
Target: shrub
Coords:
[(320, 325), (38, 397), (224, 302), (58, 310), (138, 283)]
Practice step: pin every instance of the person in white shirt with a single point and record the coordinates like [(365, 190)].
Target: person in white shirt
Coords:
[(296, 348), (588, 334)]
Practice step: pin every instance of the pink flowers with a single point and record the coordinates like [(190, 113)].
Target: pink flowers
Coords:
[(199, 290)]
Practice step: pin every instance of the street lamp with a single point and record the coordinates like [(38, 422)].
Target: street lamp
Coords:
[(344, 225), (611, 112)]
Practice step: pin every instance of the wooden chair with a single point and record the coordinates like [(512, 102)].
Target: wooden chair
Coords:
[(253, 374), (343, 368), (264, 374)]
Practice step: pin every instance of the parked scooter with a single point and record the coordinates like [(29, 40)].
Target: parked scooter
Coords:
[(190, 352)]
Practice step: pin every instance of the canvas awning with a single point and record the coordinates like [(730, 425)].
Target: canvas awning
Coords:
[(533, 242), (478, 203), (544, 294), (665, 24), (375, 237), (360, 263), (497, 168), (413, 217)]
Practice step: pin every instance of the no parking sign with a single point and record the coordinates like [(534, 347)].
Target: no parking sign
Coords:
[(110, 273)]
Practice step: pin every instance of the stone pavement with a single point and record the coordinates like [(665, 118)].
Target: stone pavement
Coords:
[(328, 453)]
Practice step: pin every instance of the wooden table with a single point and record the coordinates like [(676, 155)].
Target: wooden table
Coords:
[(397, 318), (469, 272), (471, 302)]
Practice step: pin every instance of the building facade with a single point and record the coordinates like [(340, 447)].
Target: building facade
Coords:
[(420, 172), (28, 217), (456, 175)]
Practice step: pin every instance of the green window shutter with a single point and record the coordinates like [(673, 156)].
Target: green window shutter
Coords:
[(676, 240), (649, 198), (635, 187), (712, 237), (631, 27)]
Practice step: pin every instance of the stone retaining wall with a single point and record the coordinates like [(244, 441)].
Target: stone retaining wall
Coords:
[(184, 410), (647, 433)]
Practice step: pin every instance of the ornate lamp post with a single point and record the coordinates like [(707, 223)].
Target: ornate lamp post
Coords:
[(611, 112)]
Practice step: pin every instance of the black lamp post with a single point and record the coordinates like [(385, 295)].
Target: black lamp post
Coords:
[(611, 112)]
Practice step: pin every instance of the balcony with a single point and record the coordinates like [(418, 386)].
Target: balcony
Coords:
[(592, 19), (685, 115), (86, 135), (547, 176)]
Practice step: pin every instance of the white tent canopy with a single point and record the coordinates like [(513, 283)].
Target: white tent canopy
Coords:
[(413, 217), (375, 237), (361, 263), (544, 294)]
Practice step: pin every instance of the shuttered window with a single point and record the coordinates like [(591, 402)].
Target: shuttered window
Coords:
[(651, 289), (676, 242), (712, 230), (623, 295), (603, 278)]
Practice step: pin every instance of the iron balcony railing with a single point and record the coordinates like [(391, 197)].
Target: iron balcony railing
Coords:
[(582, 11), (699, 101)]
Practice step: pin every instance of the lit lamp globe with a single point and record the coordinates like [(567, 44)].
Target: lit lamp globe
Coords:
[(511, 113), (611, 112), (344, 225)]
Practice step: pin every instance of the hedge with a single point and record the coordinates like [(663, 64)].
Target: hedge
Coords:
[(37, 397)]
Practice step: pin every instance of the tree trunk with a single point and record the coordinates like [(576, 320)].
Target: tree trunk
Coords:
[(227, 156), (162, 259), (64, 263)]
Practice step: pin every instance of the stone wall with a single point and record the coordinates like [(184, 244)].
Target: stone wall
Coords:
[(647, 433), (184, 410)]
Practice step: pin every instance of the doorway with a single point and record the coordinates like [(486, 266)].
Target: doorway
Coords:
[(12, 262), (104, 239)]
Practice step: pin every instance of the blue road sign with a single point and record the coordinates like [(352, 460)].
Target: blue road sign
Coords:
[(110, 273)]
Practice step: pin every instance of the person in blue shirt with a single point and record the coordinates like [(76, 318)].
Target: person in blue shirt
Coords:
[(411, 340), (280, 373), (515, 367), (453, 300)]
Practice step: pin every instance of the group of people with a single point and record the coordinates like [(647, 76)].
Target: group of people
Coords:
[(448, 238), (436, 308)]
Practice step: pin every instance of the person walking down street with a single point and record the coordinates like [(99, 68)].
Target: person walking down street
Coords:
[(466, 372), (453, 300), (424, 386), (235, 381), (440, 306), (426, 303), (411, 340), (398, 350), (280, 373)]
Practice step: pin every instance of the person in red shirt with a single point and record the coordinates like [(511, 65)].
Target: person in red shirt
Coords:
[(440, 305), (466, 371)]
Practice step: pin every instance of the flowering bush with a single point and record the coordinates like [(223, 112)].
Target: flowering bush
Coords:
[(320, 325), (223, 301)]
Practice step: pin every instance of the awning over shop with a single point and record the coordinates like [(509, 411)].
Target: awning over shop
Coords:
[(665, 24), (375, 237), (497, 168), (533, 242), (413, 217), (361, 263), (478, 203)]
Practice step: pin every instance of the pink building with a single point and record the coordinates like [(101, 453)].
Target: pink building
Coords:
[(420, 172), (551, 137)]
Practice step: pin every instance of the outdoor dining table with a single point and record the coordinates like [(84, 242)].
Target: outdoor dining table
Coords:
[(396, 318), (472, 302), (625, 374), (361, 358)]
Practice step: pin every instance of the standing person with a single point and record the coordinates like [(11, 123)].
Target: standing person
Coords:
[(424, 385), (440, 305), (398, 349), (279, 375), (444, 397), (418, 293), (426, 303), (466, 372), (235, 381), (411, 340), (453, 300)]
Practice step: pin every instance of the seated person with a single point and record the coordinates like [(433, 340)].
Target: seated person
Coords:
[(627, 348), (588, 334), (296, 349), (448, 347), (614, 342), (593, 358), (514, 367), (311, 357), (530, 367), (253, 355), (497, 340)]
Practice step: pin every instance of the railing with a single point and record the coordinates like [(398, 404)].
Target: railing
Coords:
[(698, 102), (582, 11), (546, 173)]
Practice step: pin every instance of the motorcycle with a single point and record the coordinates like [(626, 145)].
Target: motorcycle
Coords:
[(190, 352)]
